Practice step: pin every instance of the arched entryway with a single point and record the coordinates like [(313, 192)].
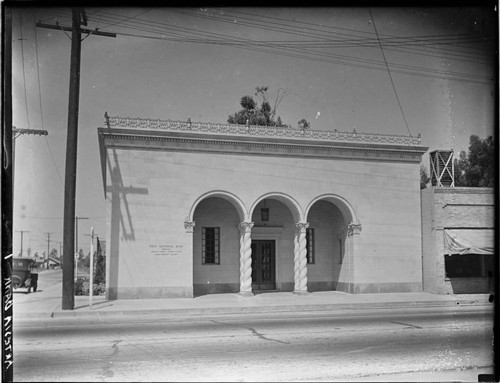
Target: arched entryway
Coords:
[(215, 219), (274, 217), (330, 247)]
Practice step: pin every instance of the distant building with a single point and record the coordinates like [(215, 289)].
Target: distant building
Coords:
[(458, 240), (199, 208), (52, 263)]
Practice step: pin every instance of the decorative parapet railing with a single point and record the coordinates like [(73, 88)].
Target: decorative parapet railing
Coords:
[(259, 131)]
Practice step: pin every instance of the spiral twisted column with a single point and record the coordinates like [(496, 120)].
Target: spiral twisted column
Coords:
[(245, 258), (300, 257), (296, 266)]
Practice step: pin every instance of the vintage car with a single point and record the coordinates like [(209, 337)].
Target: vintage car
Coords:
[(24, 274)]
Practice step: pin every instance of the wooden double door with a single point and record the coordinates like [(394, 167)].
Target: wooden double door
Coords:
[(263, 265)]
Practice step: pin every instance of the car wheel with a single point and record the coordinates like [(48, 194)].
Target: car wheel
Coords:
[(16, 281), (27, 284)]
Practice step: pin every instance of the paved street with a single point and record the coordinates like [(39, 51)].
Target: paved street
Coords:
[(265, 347), (433, 341), (433, 344)]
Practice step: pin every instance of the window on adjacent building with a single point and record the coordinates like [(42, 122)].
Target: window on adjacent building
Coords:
[(310, 245), (468, 265), (210, 239)]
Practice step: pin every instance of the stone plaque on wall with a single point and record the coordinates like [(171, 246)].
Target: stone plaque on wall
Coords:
[(166, 250)]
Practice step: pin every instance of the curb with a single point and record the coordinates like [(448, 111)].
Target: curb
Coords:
[(251, 309)]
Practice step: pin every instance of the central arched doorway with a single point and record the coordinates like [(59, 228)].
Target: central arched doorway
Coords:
[(274, 217)]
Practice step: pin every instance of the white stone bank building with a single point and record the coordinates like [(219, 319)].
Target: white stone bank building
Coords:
[(199, 208)]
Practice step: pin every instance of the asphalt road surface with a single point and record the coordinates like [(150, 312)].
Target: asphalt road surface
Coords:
[(320, 346)]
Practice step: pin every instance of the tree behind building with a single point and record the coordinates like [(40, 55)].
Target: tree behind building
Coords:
[(477, 168)]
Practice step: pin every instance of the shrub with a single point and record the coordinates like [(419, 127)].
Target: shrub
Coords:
[(99, 289), (82, 287)]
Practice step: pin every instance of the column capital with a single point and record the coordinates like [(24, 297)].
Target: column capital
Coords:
[(353, 228), (301, 226), (189, 226), (245, 227)]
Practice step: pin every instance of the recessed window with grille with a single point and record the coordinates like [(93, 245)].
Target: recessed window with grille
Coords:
[(210, 245), (310, 245)]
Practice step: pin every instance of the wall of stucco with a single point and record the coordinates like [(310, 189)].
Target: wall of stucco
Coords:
[(151, 193)]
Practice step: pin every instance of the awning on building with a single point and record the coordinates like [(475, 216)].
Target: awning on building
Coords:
[(469, 241)]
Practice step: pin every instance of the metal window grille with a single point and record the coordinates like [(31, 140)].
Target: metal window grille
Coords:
[(310, 245), (210, 254)]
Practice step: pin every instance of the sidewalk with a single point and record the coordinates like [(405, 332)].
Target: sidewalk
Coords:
[(46, 303)]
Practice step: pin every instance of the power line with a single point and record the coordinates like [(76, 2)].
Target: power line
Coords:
[(38, 77), (20, 131), (295, 53), (406, 69), (150, 26), (53, 160), (125, 19), (292, 25), (350, 30), (24, 74), (354, 40), (312, 55), (82, 30), (220, 39), (40, 98), (389, 72), (38, 148), (165, 29)]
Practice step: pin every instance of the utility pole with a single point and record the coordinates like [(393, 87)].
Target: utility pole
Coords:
[(79, 18), (68, 295), (48, 248), (22, 232)]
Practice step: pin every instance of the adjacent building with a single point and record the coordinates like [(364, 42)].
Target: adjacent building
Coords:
[(200, 208), (458, 240), (51, 263)]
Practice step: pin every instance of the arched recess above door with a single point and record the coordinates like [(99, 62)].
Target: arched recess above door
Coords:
[(228, 196)]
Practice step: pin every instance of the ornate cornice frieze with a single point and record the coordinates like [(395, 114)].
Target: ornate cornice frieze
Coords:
[(195, 142), (259, 131)]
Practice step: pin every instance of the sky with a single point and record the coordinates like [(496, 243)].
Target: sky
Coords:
[(401, 71)]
